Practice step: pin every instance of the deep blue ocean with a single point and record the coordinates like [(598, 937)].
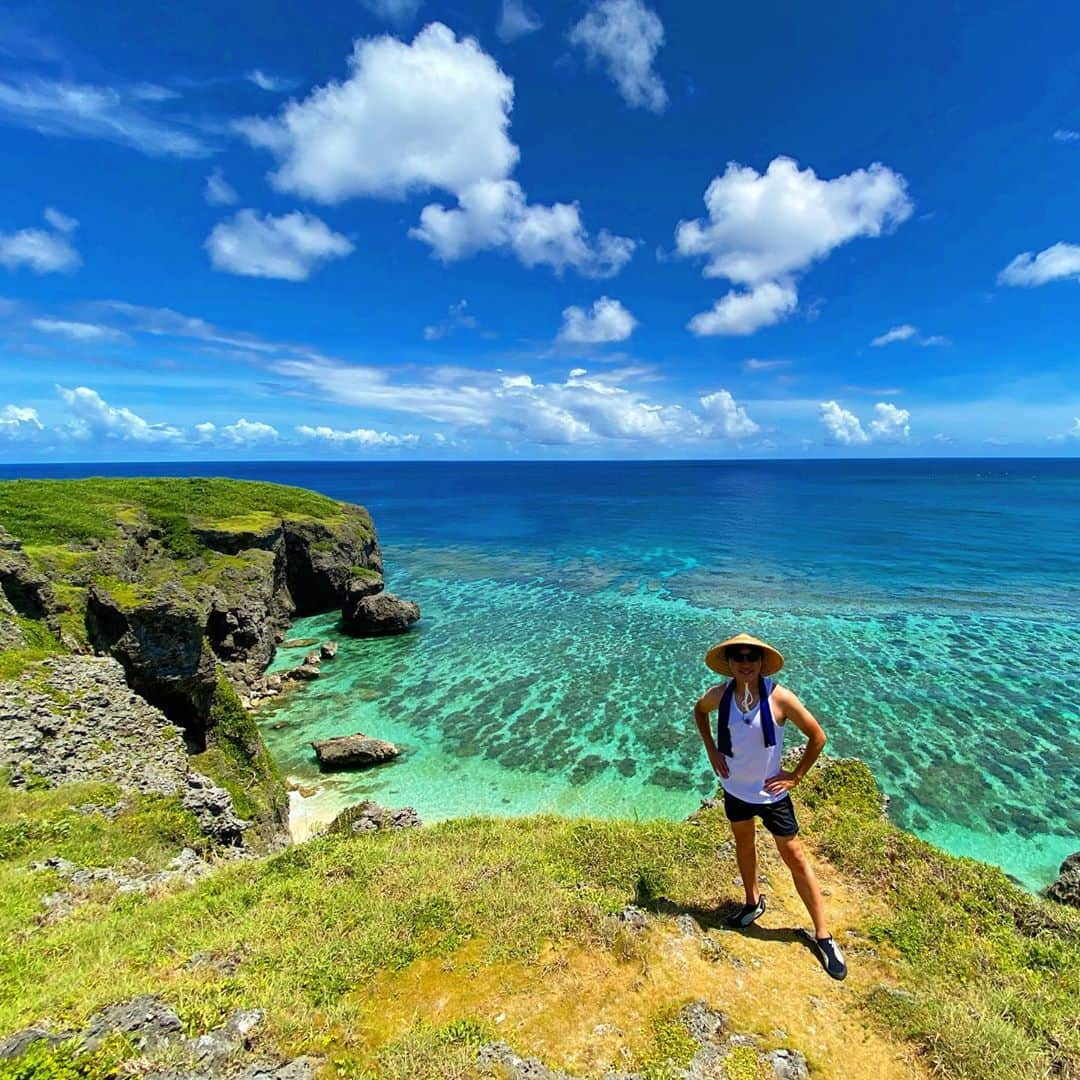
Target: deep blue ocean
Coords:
[(929, 612)]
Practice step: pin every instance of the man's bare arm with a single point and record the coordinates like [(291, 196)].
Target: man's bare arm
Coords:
[(708, 702)]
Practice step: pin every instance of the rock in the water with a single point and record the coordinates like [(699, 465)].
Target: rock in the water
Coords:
[(328, 650), (373, 616), (1066, 890), (303, 673), (352, 751)]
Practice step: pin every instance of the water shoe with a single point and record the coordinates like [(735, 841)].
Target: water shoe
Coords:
[(747, 914), (832, 959)]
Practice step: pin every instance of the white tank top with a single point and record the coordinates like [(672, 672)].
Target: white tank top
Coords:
[(751, 762)]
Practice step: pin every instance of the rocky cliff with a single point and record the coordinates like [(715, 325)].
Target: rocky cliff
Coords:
[(187, 583)]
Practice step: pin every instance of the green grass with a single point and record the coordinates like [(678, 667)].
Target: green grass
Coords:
[(40, 644), (50, 512), (990, 973), (236, 758), (994, 971)]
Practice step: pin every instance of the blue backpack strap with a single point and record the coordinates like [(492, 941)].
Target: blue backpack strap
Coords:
[(723, 732), (768, 730)]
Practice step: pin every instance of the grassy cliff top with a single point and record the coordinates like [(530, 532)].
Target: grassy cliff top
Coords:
[(46, 512), (392, 953)]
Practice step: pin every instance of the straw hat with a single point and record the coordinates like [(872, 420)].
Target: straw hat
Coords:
[(771, 660)]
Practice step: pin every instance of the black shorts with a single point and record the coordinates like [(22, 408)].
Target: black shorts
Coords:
[(777, 817)]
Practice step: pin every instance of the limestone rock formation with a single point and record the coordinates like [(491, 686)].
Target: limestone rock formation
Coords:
[(353, 751), (378, 614), (1066, 889), (369, 816)]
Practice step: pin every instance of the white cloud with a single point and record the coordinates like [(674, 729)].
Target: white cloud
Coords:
[(746, 312), (430, 115), (40, 250), (607, 320), (907, 332), (59, 221), (78, 331), (398, 12), (218, 191), (119, 115), (457, 318), (164, 322), (17, 423), (585, 410), (96, 419), (625, 36), (843, 426), (515, 21), (890, 424), (897, 333), (248, 433), (763, 229), (1065, 135), (1030, 270), (496, 215), (205, 432), (753, 364), (364, 438), (729, 418), (287, 247), (272, 84), (433, 114)]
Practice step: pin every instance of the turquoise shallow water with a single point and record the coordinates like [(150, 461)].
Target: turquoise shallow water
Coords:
[(523, 694), (929, 611), (930, 624)]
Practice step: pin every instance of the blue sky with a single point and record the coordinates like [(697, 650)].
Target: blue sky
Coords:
[(602, 229)]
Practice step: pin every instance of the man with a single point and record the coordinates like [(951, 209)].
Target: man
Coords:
[(753, 711)]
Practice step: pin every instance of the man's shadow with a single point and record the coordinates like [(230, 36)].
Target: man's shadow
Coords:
[(713, 918)]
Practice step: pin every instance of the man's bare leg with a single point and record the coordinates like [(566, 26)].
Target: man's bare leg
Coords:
[(802, 873), (746, 857)]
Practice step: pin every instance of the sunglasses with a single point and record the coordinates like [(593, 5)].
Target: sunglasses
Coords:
[(743, 655)]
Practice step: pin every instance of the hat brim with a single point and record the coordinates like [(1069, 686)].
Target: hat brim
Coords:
[(716, 659)]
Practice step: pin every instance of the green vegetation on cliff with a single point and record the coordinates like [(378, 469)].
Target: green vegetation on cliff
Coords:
[(392, 953), (48, 512), (237, 759)]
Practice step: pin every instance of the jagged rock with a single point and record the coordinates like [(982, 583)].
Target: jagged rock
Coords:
[(28, 591), (303, 673), (369, 816), (374, 616), (74, 718), (359, 587), (498, 1058), (1066, 889), (155, 1030), (147, 1020), (353, 751), (320, 559), (788, 1065), (16, 1044), (314, 658), (213, 809), (159, 642), (328, 650), (634, 917)]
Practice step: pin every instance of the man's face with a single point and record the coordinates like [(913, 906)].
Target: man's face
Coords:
[(744, 661)]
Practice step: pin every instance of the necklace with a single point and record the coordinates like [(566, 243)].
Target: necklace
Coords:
[(747, 705)]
